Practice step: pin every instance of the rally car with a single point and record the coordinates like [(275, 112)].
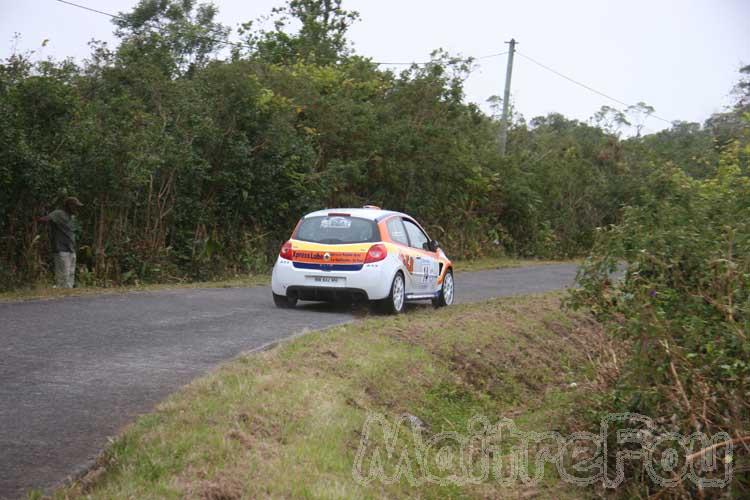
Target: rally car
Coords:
[(361, 254)]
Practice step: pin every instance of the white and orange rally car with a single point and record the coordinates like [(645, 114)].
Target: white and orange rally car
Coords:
[(361, 254)]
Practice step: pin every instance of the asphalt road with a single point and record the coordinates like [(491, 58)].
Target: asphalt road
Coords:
[(74, 371)]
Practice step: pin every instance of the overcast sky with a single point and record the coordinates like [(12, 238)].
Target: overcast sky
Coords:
[(680, 56)]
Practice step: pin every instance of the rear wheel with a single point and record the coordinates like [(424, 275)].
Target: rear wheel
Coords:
[(394, 303), (284, 302), (445, 296)]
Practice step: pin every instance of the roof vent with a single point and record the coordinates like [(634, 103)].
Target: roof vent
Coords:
[(372, 207)]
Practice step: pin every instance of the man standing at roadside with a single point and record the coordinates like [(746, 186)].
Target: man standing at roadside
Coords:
[(63, 239)]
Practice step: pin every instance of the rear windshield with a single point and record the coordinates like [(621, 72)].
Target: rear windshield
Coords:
[(337, 229)]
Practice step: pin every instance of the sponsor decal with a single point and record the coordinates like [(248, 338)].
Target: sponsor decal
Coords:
[(336, 222), (328, 257), (408, 261)]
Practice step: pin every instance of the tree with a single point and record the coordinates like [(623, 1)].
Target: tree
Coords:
[(179, 35), (610, 119), (321, 39), (193, 165), (638, 114), (742, 91)]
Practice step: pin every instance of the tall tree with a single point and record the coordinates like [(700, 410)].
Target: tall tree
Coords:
[(321, 37), (180, 34)]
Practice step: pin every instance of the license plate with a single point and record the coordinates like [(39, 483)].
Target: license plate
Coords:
[(327, 279)]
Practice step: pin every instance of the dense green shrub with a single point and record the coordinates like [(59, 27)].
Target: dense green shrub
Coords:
[(682, 302), (193, 165)]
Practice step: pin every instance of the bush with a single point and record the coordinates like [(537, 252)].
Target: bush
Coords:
[(683, 301)]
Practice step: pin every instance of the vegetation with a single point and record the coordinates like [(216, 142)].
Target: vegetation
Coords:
[(195, 160), (46, 292), (260, 423), (194, 157), (683, 303)]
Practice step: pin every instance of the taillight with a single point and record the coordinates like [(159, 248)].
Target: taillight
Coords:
[(376, 253), (286, 251)]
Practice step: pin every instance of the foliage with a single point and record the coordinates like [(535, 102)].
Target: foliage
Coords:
[(321, 37), (683, 301), (567, 179), (194, 161)]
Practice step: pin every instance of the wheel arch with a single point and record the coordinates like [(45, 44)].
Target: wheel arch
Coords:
[(445, 267)]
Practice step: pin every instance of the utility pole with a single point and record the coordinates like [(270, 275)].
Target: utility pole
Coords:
[(506, 97)]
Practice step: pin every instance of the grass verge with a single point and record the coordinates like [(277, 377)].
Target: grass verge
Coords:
[(49, 292), (289, 422)]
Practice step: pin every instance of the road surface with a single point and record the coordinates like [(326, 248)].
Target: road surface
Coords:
[(74, 371)]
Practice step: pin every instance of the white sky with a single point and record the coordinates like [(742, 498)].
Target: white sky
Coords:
[(680, 56)]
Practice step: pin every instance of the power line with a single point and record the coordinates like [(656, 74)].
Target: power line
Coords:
[(241, 45), (93, 10), (413, 63), (125, 20), (492, 55), (226, 42), (416, 63), (590, 89)]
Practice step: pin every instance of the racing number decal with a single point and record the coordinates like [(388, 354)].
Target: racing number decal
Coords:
[(421, 273)]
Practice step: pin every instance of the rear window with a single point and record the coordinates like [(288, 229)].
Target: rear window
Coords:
[(337, 229)]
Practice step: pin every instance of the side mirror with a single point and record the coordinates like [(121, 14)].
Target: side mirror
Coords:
[(431, 245)]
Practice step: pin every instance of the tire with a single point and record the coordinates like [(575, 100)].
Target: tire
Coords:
[(396, 300), (284, 302), (447, 291)]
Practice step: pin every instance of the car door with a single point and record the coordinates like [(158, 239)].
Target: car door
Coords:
[(425, 270), (406, 254)]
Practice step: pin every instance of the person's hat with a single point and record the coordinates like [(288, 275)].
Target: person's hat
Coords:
[(72, 201)]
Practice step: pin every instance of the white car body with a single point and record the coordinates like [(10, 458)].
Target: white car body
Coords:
[(327, 271)]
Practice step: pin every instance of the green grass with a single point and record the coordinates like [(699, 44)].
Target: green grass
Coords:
[(287, 422), (46, 291), (486, 263)]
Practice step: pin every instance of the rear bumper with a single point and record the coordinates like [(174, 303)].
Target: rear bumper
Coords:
[(327, 294), (371, 282)]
